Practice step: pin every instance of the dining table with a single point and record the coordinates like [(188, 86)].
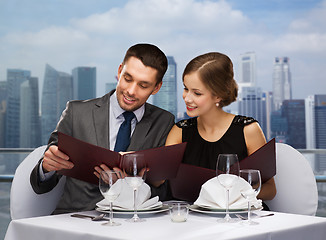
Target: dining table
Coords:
[(158, 225)]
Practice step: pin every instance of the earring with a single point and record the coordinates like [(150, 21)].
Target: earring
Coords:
[(217, 104)]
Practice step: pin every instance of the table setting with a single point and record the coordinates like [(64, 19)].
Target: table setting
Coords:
[(212, 200), (227, 207), (230, 192), (212, 196), (124, 202), (160, 226)]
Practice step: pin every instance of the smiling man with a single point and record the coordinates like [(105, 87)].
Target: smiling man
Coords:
[(97, 121)]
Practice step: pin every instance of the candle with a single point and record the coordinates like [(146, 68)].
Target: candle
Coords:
[(179, 217)]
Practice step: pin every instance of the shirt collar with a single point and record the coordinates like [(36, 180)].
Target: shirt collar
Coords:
[(118, 111)]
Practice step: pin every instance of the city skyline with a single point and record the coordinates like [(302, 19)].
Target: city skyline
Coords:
[(232, 107), (97, 35), (179, 88), (252, 101)]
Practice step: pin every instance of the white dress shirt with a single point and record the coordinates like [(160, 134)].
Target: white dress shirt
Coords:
[(116, 119)]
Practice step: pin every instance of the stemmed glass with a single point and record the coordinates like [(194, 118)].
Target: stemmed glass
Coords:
[(253, 177), (227, 172), (110, 185), (135, 169)]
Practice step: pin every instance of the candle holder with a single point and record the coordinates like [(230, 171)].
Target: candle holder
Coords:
[(179, 212)]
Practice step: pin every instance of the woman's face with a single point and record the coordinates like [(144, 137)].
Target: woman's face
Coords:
[(198, 99)]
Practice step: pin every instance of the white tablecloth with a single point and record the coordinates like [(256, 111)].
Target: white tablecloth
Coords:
[(158, 226)]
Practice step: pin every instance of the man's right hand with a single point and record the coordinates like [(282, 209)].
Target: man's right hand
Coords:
[(55, 160)]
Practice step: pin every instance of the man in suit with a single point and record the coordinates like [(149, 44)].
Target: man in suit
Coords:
[(97, 121)]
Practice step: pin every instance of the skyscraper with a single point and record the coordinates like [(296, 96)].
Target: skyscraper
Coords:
[(320, 120), (320, 123), (84, 83), (30, 127), (252, 103), (251, 100), (310, 122), (282, 86), (310, 129), (247, 69), (166, 98), (15, 77), (57, 90), (3, 103), (294, 112), (279, 126), (316, 128)]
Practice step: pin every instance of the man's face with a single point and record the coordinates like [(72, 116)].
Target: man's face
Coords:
[(136, 83)]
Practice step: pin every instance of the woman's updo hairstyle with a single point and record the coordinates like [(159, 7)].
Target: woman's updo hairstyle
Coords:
[(215, 70)]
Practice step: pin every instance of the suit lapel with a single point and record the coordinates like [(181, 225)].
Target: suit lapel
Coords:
[(141, 130), (101, 121)]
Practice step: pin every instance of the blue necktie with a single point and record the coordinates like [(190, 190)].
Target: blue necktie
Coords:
[(123, 137)]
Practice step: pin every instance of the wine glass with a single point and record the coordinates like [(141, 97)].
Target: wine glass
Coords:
[(110, 185), (253, 177), (135, 169), (227, 172)]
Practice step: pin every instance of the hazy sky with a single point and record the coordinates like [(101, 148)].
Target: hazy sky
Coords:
[(70, 33)]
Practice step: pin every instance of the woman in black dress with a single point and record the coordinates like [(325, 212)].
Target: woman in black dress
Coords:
[(208, 87)]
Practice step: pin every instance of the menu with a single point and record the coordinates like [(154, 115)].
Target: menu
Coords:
[(163, 162), (187, 184)]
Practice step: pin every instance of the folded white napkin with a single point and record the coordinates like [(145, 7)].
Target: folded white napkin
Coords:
[(125, 201), (213, 195)]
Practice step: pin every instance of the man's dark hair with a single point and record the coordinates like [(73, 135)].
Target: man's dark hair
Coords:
[(150, 56)]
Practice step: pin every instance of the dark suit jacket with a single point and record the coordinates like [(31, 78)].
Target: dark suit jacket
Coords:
[(89, 122)]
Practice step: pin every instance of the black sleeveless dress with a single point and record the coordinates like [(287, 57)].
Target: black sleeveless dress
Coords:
[(202, 153)]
